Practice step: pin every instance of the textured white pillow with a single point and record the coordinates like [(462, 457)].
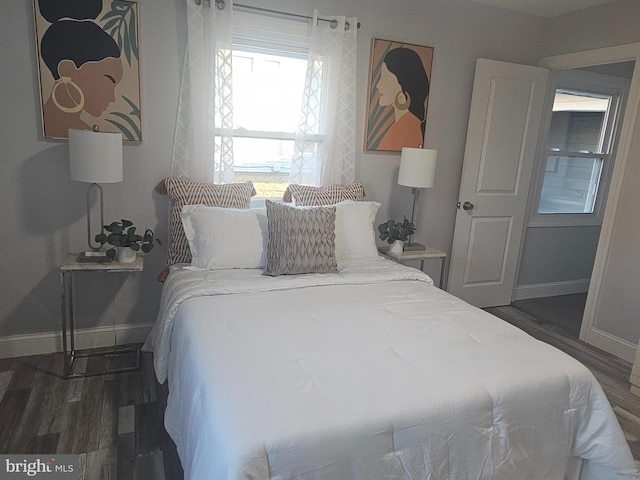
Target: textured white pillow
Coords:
[(225, 237), (355, 235)]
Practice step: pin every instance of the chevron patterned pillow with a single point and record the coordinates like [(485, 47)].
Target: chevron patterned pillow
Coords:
[(306, 195), (183, 192)]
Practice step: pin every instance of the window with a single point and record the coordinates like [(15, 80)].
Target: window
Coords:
[(578, 155), (269, 67), (575, 152)]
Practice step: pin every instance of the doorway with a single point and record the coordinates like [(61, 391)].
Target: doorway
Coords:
[(610, 314), (605, 321), (561, 240)]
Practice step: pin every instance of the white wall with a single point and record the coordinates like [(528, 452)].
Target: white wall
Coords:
[(43, 211)]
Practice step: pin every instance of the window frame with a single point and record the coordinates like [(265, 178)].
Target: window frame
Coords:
[(582, 81), (265, 34)]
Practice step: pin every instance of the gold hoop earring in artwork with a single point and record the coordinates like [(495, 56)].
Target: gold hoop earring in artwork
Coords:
[(405, 105), (66, 82)]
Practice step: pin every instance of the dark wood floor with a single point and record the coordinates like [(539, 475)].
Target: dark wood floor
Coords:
[(564, 311), (115, 422)]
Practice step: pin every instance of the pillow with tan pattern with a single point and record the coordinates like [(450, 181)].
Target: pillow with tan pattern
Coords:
[(183, 192), (306, 195)]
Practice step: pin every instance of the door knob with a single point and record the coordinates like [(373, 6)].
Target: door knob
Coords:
[(467, 206)]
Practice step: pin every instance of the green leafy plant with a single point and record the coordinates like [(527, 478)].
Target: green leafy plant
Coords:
[(392, 230), (123, 234)]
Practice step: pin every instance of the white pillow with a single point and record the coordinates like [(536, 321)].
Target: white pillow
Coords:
[(355, 235), (225, 237)]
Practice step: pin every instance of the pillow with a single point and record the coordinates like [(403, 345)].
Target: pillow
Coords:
[(301, 240), (225, 237), (183, 192), (306, 195), (355, 235)]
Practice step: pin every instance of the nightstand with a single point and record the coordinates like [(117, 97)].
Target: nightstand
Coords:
[(68, 268), (413, 255)]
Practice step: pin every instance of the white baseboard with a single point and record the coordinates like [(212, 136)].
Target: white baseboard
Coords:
[(613, 345), (49, 342), (539, 290)]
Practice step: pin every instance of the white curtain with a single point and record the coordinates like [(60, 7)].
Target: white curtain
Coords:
[(329, 106), (205, 97)]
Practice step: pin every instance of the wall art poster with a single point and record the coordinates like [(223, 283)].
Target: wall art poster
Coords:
[(398, 95), (88, 66)]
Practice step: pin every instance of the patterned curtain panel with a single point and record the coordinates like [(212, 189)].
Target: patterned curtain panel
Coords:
[(326, 139), (205, 98)]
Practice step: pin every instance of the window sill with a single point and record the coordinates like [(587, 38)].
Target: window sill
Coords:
[(565, 220)]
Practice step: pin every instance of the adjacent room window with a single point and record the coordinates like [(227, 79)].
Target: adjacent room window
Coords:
[(576, 151), (579, 148)]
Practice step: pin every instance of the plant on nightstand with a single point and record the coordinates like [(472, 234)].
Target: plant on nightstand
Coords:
[(126, 241), (396, 233)]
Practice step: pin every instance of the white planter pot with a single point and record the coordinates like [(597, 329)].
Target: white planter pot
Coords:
[(396, 247), (126, 255)]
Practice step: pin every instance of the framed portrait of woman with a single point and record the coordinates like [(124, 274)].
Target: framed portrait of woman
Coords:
[(88, 65), (398, 95)]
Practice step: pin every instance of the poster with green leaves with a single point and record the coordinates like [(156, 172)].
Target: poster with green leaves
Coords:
[(88, 63)]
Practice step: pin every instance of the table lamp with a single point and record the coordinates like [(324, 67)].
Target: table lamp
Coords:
[(417, 170), (95, 157)]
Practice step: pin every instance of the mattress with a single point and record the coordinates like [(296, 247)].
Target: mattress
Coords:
[(371, 373)]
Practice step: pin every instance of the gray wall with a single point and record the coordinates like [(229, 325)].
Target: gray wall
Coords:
[(557, 254), (603, 26), (618, 311), (43, 214), (619, 303)]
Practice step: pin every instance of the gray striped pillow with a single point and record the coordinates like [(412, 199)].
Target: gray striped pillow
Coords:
[(301, 240), (183, 192)]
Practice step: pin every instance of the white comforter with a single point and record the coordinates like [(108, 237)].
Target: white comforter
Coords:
[(372, 373)]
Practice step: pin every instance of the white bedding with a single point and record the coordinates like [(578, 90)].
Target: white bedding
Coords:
[(372, 373)]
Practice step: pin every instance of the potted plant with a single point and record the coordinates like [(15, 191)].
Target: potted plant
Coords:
[(126, 241), (396, 233)]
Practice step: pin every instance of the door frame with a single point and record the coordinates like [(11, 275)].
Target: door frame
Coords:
[(621, 53)]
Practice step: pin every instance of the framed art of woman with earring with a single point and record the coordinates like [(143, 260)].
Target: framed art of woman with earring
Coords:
[(88, 64), (399, 80)]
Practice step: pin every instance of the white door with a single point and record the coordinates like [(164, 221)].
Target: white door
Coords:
[(505, 117)]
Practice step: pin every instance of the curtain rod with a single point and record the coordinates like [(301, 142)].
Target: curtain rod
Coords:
[(220, 4)]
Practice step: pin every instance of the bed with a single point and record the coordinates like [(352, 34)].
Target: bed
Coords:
[(366, 372)]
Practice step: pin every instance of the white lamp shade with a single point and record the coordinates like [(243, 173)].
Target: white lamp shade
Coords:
[(95, 157), (417, 167)]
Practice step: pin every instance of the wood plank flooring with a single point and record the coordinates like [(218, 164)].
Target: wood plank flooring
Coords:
[(564, 311), (115, 422)]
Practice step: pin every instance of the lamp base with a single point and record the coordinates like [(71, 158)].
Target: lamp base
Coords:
[(93, 257), (413, 246)]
